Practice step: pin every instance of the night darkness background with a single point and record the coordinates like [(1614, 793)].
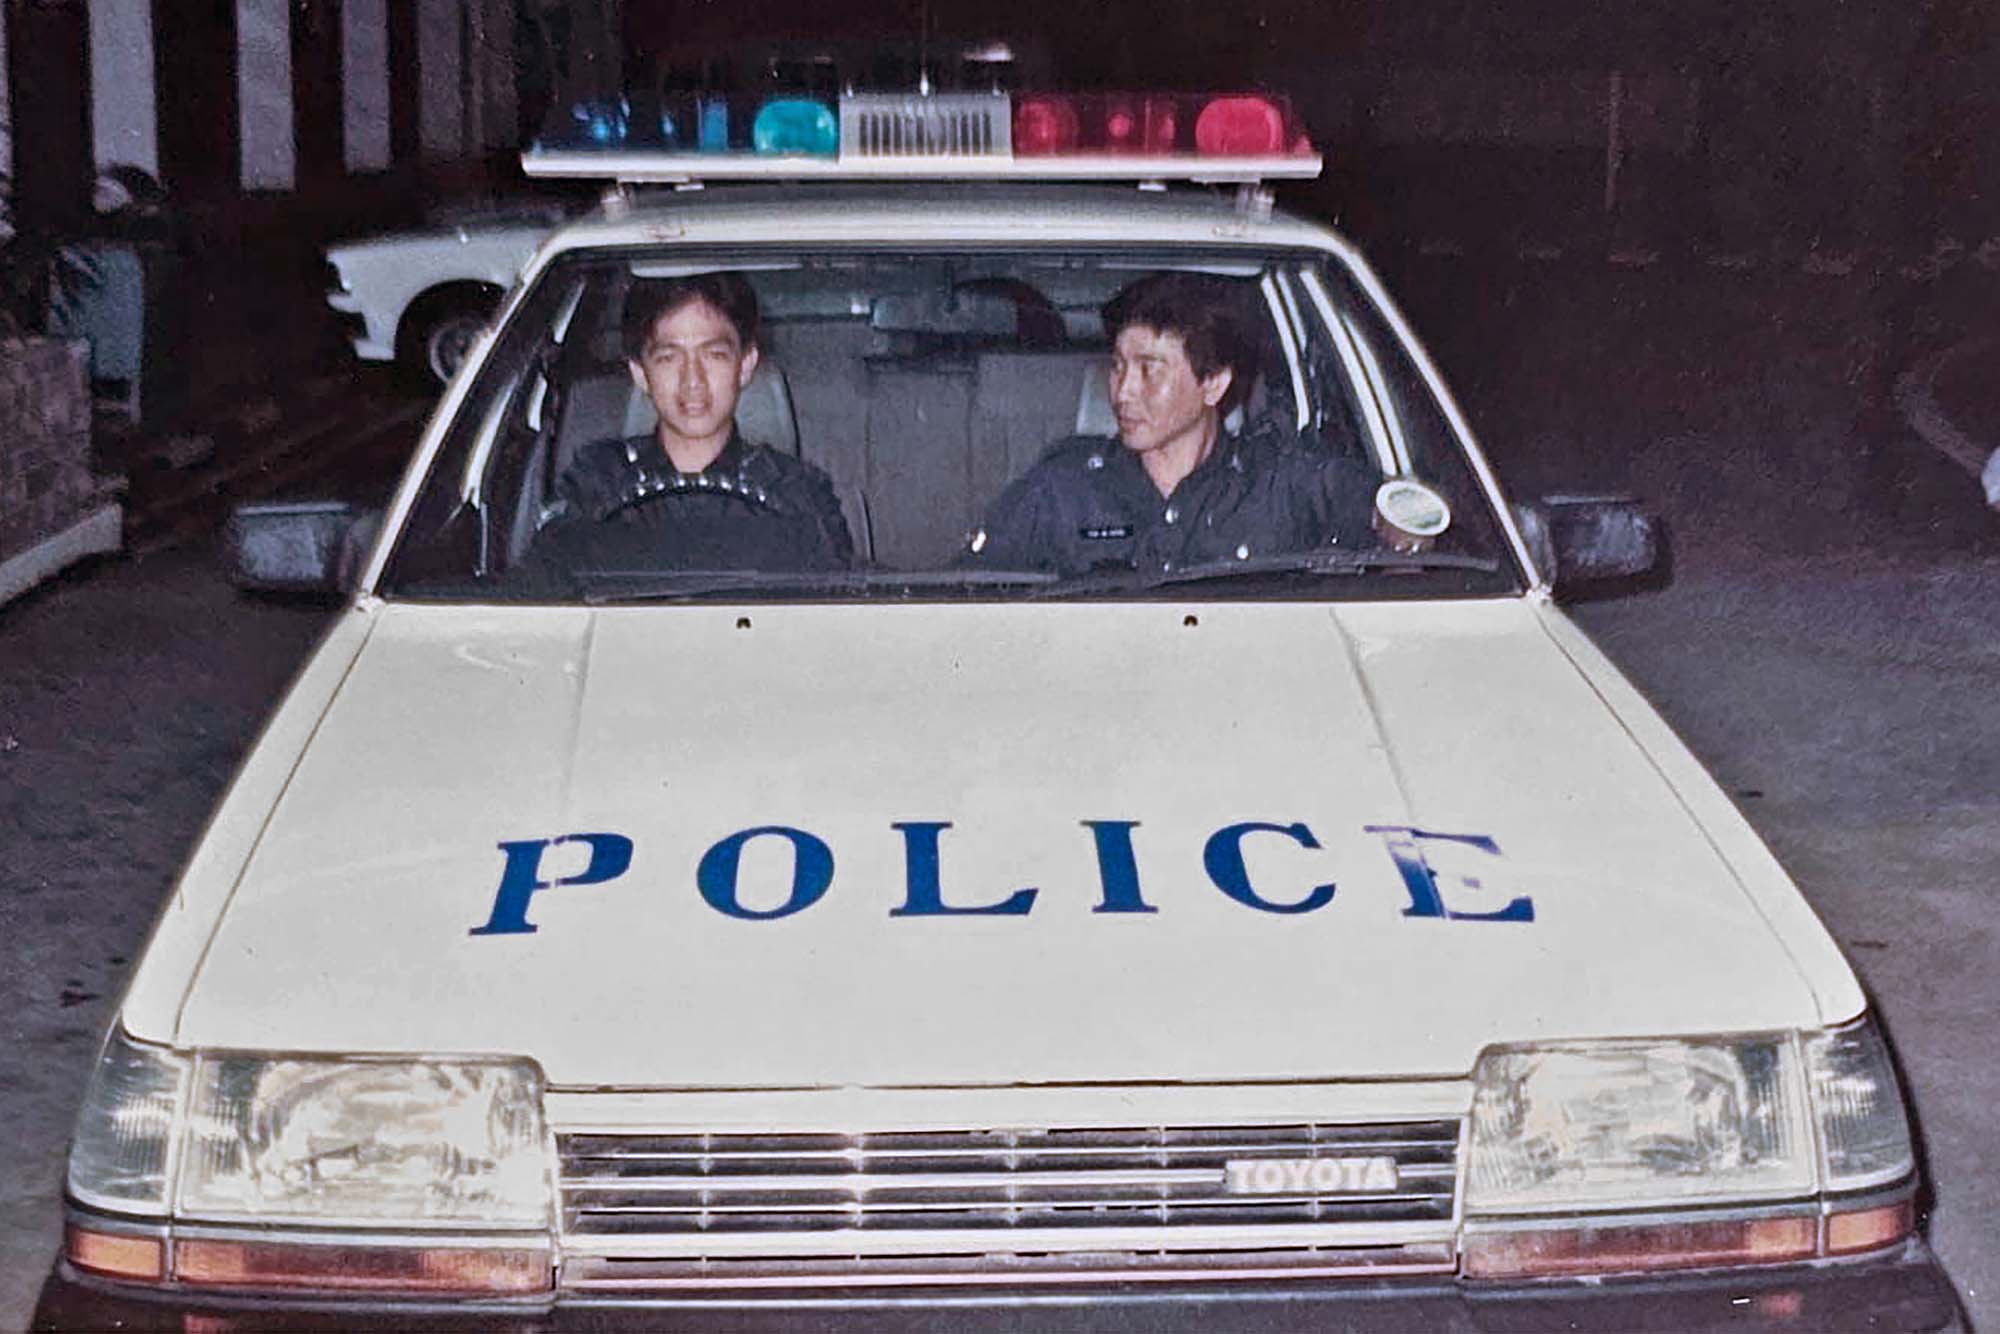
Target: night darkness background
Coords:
[(1808, 123)]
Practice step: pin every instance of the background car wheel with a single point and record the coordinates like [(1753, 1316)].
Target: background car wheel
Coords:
[(439, 330)]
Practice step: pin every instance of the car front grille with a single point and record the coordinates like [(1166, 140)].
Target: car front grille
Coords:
[(1198, 1189)]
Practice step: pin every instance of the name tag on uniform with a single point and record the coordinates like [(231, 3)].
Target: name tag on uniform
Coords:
[(1105, 532)]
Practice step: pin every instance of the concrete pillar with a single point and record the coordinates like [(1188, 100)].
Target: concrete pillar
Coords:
[(364, 55), (264, 94), (6, 125), (440, 58), (597, 44), (122, 102), (493, 48)]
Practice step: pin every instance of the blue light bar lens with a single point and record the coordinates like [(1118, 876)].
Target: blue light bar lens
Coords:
[(712, 118), (796, 125), (601, 124)]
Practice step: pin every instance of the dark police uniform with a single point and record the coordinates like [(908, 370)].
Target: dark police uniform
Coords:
[(1089, 505), (621, 505)]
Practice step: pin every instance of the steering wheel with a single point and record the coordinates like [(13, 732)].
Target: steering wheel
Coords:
[(653, 486)]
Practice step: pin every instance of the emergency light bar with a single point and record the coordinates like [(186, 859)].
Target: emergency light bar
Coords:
[(1232, 138)]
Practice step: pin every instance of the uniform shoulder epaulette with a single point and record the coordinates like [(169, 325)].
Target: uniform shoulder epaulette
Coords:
[(1086, 452)]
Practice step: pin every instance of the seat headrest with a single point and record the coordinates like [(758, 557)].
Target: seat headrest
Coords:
[(763, 411), (1093, 406)]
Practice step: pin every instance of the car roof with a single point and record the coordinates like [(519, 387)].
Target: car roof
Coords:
[(940, 212)]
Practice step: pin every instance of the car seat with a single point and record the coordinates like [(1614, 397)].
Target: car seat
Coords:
[(764, 413)]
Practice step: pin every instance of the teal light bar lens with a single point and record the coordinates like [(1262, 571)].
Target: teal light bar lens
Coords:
[(599, 123), (796, 125)]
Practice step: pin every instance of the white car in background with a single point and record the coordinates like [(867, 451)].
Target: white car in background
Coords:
[(1325, 935), (421, 297)]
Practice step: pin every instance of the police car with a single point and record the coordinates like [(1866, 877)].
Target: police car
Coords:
[(1317, 934)]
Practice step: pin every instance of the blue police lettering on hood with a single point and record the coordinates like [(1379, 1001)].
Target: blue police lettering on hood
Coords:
[(610, 857), (1223, 858), (1426, 895), (1117, 868), (924, 896), (812, 872)]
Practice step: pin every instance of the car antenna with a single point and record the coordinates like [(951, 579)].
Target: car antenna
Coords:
[(923, 48)]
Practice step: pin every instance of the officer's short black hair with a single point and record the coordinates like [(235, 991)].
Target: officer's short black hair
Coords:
[(1208, 314), (650, 298)]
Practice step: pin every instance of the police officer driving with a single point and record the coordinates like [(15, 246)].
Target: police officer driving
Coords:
[(1176, 488), (694, 494)]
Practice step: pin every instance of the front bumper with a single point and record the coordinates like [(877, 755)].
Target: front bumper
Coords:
[(1900, 1290)]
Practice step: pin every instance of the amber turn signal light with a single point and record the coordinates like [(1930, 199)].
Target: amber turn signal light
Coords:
[(1609, 1250), (114, 1254), (1869, 1229), (455, 1269)]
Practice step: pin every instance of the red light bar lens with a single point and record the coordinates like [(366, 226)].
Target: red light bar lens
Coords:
[(1612, 1250), (1123, 130), (1044, 126), (1140, 125), (459, 1269), (1240, 127), (1232, 125)]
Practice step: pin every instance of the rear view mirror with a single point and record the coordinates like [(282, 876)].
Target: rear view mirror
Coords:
[(1590, 543), (298, 546), (962, 313)]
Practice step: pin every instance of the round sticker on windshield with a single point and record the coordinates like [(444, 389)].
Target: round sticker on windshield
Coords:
[(1409, 511)]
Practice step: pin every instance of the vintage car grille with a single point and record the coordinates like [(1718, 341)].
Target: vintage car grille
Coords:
[(678, 1187), (891, 125)]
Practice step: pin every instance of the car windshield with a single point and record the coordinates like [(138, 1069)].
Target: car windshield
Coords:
[(655, 425)]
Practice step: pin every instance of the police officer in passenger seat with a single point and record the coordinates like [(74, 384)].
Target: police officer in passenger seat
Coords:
[(694, 494), (1174, 489)]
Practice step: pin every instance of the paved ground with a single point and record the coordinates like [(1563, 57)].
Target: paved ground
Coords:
[(128, 690), (345, 429), (1852, 706), (1951, 399)]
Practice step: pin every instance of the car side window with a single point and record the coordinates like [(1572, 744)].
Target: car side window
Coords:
[(462, 522), (1411, 432)]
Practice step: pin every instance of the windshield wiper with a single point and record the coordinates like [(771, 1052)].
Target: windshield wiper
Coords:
[(608, 586), (1298, 562)]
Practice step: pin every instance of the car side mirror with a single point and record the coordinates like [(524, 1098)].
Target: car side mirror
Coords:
[(312, 546), (1590, 544)]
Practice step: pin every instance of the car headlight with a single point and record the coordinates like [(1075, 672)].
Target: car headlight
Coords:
[(1625, 1125), (430, 1154), (349, 1142), (1779, 1126)]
